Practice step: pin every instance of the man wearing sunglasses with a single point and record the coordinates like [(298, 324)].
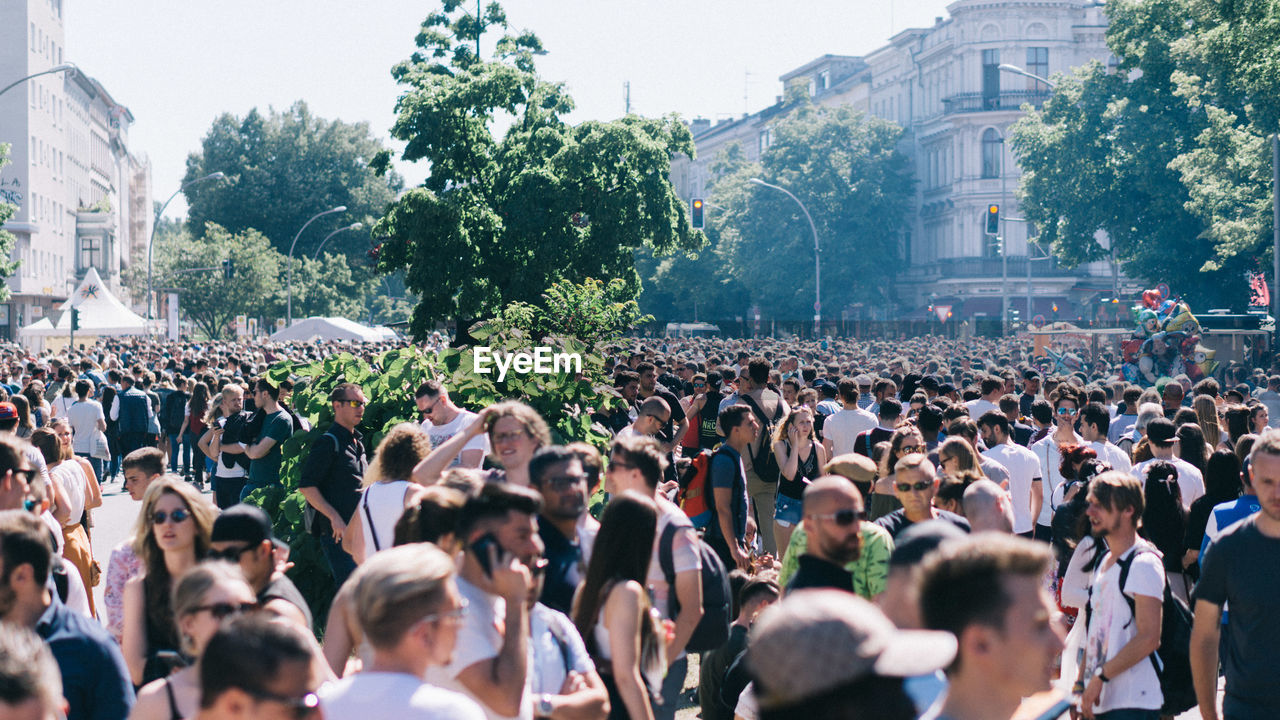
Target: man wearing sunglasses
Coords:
[(915, 484), (332, 476), (1066, 408), (442, 420), (567, 531), (833, 514), (242, 535), (257, 669)]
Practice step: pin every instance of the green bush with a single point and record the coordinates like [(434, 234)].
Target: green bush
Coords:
[(565, 400)]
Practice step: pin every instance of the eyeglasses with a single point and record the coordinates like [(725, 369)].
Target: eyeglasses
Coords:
[(564, 482), (431, 408), (351, 403), (698, 385), (177, 516), (910, 449), (25, 473), (539, 567), (301, 706), (920, 486), (509, 436), (455, 614), (232, 554), (1067, 412), (843, 518), (222, 611)]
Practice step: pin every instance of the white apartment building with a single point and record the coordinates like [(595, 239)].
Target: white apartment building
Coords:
[(943, 85), (83, 199)]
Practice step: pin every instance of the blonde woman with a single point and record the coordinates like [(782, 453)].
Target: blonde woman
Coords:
[(905, 441), (386, 491), (171, 536), (801, 458), (1207, 418), (205, 597), (956, 456)]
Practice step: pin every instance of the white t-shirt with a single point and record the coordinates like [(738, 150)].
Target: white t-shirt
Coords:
[(1050, 460), (479, 639), (979, 407), (440, 433), (844, 427), (557, 648), (1190, 481), (1023, 468), (386, 505), (1107, 452), (73, 484), (1112, 626), (392, 696), (684, 555), (84, 417)]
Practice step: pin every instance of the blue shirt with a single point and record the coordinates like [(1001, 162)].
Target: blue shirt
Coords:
[(95, 680), (1223, 516), (727, 472)]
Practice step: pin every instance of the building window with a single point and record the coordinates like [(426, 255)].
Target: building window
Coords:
[(90, 252), (992, 152), (766, 139), (990, 79), (824, 80), (1037, 64)]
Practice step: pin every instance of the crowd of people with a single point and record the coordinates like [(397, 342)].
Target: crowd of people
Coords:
[(890, 530)]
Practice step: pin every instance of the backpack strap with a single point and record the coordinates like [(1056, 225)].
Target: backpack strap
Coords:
[(368, 518), (1125, 566)]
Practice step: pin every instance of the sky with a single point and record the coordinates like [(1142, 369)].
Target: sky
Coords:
[(178, 64)]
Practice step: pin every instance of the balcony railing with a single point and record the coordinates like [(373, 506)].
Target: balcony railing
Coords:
[(974, 267), (1006, 100)]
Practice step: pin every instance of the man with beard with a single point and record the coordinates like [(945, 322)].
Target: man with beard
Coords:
[(566, 530), (833, 514)]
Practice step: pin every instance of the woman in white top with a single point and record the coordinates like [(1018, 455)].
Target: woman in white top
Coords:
[(612, 610), (386, 491), (73, 490), (63, 402)]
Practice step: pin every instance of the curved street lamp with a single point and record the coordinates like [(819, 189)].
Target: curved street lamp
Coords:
[(1006, 67), (288, 312), (56, 68), (817, 261), (151, 241), (352, 226)]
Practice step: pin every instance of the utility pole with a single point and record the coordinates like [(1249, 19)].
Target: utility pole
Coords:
[(626, 96)]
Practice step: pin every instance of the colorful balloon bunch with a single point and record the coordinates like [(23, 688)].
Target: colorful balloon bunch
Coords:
[(1165, 343)]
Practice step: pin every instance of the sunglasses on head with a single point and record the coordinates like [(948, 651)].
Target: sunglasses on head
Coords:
[(844, 518), (222, 611), (177, 516), (919, 486)]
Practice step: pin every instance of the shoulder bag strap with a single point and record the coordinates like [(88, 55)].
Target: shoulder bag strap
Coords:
[(368, 518)]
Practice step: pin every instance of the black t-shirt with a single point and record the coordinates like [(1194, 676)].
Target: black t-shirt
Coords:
[(1242, 570), (897, 521), (806, 467), (814, 572), (283, 588), (867, 441), (707, 418), (337, 470)]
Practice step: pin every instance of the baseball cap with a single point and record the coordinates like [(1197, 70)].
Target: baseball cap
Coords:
[(864, 380), (242, 523), (815, 641), (1161, 431), (8, 411)]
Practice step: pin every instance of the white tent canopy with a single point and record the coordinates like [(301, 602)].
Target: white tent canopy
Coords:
[(101, 314), (331, 328)]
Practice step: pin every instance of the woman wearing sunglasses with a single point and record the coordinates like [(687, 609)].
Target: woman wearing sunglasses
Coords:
[(205, 597), (171, 536), (956, 456), (906, 440)]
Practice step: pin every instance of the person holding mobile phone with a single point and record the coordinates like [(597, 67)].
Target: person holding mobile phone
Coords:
[(490, 661)]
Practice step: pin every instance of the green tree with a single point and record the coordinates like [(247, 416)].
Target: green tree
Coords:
[(1157, 153), (327, 288), (500, 220), (592, 312), (7, 241), (846, 169), (284, 167), (193, 266)]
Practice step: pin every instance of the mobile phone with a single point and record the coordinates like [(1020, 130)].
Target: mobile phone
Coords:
[(481, 549), (1056, 711)]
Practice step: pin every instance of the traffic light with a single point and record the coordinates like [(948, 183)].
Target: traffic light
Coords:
[(228, 269), (698, 218), (993, 219), (75, 319)]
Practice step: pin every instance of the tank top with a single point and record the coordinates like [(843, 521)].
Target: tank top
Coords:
[(381, 505), (806, 468), (708, 438)]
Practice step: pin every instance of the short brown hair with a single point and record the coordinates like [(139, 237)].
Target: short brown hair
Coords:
[(1119, 491), (645, 454)]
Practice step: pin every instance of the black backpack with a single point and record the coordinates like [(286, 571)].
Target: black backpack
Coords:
[(765, 463), (713, 628), (1172, 661), (174, 412)]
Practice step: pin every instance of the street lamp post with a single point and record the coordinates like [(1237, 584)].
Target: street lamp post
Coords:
[(352, 226), (817, 258), (152, 240), (55, 69), (1006, 67), (288, 312)]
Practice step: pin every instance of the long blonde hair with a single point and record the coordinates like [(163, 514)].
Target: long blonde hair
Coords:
[(960, 449), (1207, 418), (784, 427)]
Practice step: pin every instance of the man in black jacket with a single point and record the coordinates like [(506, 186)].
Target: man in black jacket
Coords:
[(332, 475)]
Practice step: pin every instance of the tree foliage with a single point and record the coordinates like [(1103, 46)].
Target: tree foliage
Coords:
[(593, 312), (284, 167), (326, 288), (846, 169), (1166, 153), (500, 220), (7, 241)]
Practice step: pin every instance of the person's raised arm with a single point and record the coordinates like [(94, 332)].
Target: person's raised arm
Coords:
[(498, 682), (431, 467)]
